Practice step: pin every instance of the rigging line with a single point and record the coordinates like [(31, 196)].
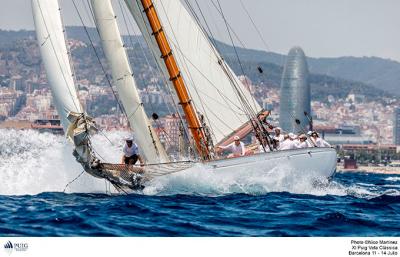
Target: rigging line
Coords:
[(72, 181), (168, 137), (210, 82), (241, 43), (222, 105), (90, 15), (89, 12), (222, 121), (98, 34), (154, 55), (230, 27), (229, 75), (259, 123), (91, 18), (251, 114), (157, 122), (212, 45), (255, 26), (168, 85), (196, 17), (69, 53), (98, 58), (204, 31), (117, 187), (90, 145), (147, 61), (214, 21), (234, 46), (77, 105), (227, 70), (134, 111), (186, 67), (182, 61)]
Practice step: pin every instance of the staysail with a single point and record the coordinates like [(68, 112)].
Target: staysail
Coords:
[(213, 86), (50, 36), (124, 80)]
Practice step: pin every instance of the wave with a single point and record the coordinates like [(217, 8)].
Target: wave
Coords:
[(394, 179), (200, 181), (32, 163)]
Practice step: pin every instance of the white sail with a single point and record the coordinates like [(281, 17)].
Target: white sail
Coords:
[(50, 36), (123, 79), (210, 87)]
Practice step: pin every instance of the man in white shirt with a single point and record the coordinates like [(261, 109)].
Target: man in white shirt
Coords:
[(236, 148), (287, 144), (131, 153), (303, 143), (278, 136)]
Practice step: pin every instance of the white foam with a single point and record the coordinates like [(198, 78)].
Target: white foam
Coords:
[(394, 179), (32, 163), (201, 181)]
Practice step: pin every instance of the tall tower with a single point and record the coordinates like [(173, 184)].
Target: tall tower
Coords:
[(295, 93), (396, 127)]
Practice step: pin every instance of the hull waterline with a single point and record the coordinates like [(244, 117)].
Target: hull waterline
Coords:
[(320, 161), (315, 163)]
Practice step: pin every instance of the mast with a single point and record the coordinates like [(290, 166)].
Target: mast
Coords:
[(176, 78), (124, 81)]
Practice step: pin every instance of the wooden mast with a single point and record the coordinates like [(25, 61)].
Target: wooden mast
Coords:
[(176, 78)]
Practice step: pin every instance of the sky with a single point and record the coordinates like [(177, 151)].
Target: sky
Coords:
[(323, 28)]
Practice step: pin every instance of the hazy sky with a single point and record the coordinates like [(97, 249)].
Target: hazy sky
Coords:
[(324, 28)]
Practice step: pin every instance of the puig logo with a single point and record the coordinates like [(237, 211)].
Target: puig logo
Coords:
[(8, 247), (18, 247)]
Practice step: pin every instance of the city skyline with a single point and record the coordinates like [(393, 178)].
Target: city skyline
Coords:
[(343, 28)]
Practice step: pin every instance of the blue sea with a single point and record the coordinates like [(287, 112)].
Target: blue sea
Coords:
[(35, 169)]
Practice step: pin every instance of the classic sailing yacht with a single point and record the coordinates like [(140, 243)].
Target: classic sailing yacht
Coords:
[(215, 104)]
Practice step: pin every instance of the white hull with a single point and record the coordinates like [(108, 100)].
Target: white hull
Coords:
[(320, 162), (293, 166)]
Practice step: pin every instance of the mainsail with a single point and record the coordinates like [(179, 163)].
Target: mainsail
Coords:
[(50, 36), (214, 88), (124, 81)]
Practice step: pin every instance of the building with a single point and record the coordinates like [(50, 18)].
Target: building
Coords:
[(344, 135), (170, 130), (396, 127), (295, 93)]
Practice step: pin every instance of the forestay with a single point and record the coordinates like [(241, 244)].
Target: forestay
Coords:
[(50, 36), (124, 80), (213, 86)]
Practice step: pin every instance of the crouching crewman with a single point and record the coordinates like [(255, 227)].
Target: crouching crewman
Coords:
[(131, 153)]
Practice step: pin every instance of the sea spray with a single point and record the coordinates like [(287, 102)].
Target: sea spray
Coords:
[(32, 163), (200, 180)]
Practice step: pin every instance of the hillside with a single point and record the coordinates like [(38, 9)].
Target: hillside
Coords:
[(335, 76), (380, 73)]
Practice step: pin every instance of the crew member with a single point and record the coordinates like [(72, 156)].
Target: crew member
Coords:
[(278, 136), (303, 143), (319, 142), (131, 153), (236, 148), (287, 143)]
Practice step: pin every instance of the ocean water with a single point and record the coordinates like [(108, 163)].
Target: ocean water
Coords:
[(34, 200)]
